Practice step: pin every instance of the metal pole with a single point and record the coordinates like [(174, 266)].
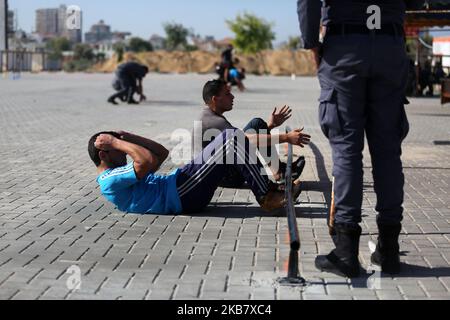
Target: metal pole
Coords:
[(4, 25), (293, 278), (291, 215)]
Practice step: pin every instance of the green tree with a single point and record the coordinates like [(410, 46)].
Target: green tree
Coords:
[(83, 52), (252, 34), (293, 43), (119, 49), (100, 57), (176, 36), (140, 45), (57, 46), (412, 47), (83, 58)]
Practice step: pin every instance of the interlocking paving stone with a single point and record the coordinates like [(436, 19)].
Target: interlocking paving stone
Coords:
[(52, 216)]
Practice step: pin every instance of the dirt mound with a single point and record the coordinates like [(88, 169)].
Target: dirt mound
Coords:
[(273, 62)]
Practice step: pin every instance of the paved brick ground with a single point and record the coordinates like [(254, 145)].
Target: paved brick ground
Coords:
[(52, 216)]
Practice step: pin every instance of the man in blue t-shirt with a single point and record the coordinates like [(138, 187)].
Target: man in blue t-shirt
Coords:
[(135, 187), (235, 75)]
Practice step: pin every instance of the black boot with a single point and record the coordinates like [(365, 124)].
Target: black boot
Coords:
[(387, 254), (112, 101), (343, 261)]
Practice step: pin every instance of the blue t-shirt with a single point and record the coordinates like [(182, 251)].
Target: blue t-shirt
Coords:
[(154, 194), (234, 73)]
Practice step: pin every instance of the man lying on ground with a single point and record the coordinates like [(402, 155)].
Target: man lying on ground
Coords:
[(136, 188), (219, 100)]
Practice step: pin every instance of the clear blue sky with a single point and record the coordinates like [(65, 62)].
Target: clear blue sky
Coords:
[(145, 17)]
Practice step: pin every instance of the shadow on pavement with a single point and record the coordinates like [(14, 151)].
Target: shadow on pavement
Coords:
[(408, 271), (324, 184), (413, 271), (222, 210), (433, 114), (367, 280), (242, 211), (262, 91), (169, 103)]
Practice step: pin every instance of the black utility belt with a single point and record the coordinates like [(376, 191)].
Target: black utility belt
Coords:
[(343, 29)]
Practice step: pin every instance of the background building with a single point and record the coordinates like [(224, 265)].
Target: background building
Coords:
[(441, 47), (47, 23), (75, 36), (102, 39), (51, 23), (11, 24), (98, 33), (157, 42)]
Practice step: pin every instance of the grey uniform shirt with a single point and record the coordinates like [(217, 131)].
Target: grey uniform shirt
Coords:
[(211, 120), (212, 125), (311, 12)]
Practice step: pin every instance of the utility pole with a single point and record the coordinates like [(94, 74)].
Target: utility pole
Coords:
[(3, 25)]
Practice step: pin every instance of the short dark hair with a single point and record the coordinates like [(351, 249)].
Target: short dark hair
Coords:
[(93, 151), (212, 88)]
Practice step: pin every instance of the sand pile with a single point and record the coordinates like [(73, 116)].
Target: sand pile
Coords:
[(273, 62)]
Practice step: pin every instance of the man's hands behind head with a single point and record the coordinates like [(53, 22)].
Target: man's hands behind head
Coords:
[(105, 142)]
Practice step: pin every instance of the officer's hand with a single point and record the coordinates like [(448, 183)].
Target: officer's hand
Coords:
[(104, 142), (298, 138), (279, 117), (317, 56)]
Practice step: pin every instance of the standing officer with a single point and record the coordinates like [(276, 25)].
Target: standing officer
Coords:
[(363, 71)]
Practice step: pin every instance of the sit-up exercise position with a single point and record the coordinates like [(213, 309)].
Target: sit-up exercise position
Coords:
[(218, 101), (136, 188)]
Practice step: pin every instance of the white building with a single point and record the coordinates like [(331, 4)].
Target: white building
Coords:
[(157, 42), (441, 47)]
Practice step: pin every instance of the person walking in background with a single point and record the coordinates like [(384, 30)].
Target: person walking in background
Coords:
[(426, 79), (438, 73), (227, 57)]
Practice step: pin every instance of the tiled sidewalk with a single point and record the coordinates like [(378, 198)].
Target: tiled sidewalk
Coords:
[(52, 216)]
